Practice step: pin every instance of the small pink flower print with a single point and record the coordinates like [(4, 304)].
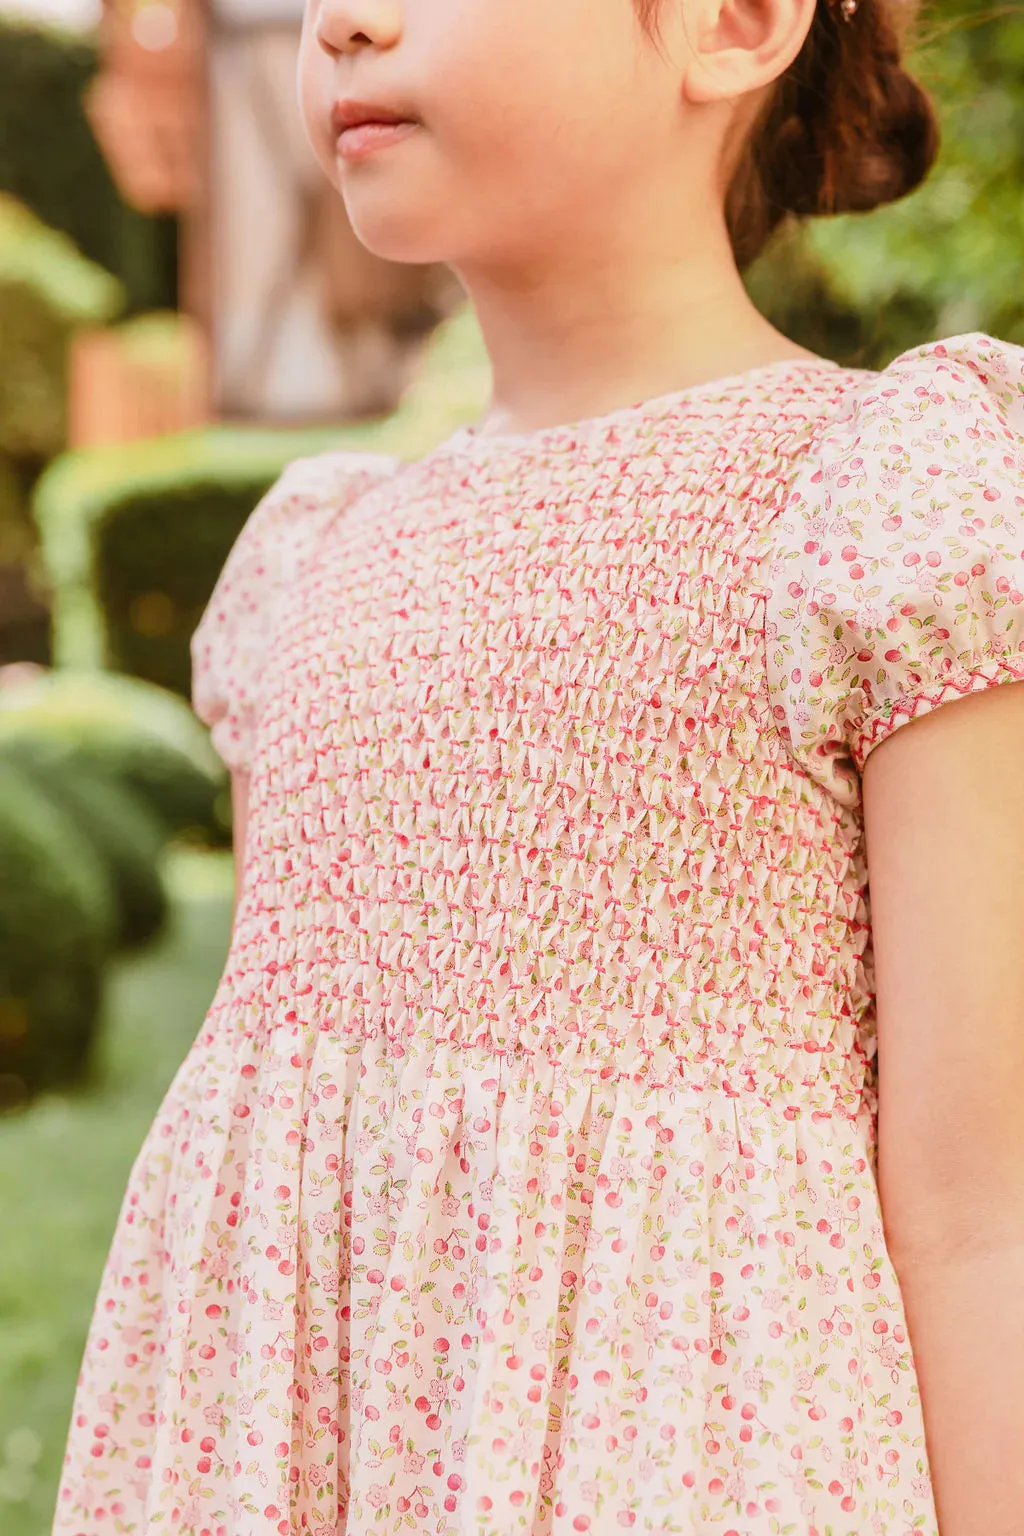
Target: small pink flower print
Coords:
[(450, 1207), (376, 1495), (317, 1474), (413, 1463), (324, 1222), (772, 1299)]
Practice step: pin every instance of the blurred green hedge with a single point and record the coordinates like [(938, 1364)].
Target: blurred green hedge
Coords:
[(141, 738), (57, 925), (50, 160), (97, 774), (124, 833), (47, 291)]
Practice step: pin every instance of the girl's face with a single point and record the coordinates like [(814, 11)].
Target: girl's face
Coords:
[(541, 123)]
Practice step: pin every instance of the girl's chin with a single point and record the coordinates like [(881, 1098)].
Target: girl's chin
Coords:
[(392, 230)]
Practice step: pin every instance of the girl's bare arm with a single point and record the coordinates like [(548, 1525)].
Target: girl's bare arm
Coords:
[(944, 822), (239, 813)]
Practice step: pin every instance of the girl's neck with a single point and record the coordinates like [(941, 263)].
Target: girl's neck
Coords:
[(586, 338)]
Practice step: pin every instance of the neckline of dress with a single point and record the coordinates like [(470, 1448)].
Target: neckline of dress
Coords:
[(469, 438)]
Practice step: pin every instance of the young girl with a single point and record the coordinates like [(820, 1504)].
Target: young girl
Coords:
[(523, 1176)]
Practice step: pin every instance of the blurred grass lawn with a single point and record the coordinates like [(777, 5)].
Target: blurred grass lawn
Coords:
[(63, 1169)]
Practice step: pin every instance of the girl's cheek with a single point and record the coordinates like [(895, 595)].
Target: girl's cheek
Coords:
[(315, 109)]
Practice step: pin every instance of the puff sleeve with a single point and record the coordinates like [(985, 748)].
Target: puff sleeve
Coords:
[(896, 578), (282, 534)]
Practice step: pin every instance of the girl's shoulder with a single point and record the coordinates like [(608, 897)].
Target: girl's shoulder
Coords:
[(895, 577), (960, 394), (281, 535)]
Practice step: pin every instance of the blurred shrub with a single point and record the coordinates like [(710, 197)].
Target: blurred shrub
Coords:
[(124, 833), (97, 773), (47, 290), (134, 736), (57, 924), (134, 537), (49, 159), (15, 522), (947, 259)]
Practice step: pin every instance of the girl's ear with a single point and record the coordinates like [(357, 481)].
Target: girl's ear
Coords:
[(734, 47)]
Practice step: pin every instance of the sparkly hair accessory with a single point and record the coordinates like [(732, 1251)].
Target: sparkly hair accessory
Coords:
[(846, 8)]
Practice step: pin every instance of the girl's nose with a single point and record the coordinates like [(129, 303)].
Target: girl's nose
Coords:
[(348, 26)]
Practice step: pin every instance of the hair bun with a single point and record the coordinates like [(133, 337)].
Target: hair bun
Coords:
[(847, 129)]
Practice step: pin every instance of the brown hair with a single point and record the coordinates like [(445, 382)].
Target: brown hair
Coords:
[(844, 130)]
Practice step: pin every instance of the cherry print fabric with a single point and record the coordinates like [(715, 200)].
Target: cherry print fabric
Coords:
[(282, 535), (520, 1180), (898, 577)]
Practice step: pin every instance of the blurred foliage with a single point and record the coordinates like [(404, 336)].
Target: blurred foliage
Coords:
[(122, 830), (16, 533), (47, 290), (49, 159), (57, 924), (950, 257), (134, 537), (98, 774), (140, 738)]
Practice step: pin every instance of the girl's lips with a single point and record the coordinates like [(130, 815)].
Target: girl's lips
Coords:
[(366, 138)]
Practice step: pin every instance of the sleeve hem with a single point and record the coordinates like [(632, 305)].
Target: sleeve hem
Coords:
[(232, 743), (881, 721)]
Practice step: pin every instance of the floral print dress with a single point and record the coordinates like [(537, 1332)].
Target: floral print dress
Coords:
[(520, 1181)]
